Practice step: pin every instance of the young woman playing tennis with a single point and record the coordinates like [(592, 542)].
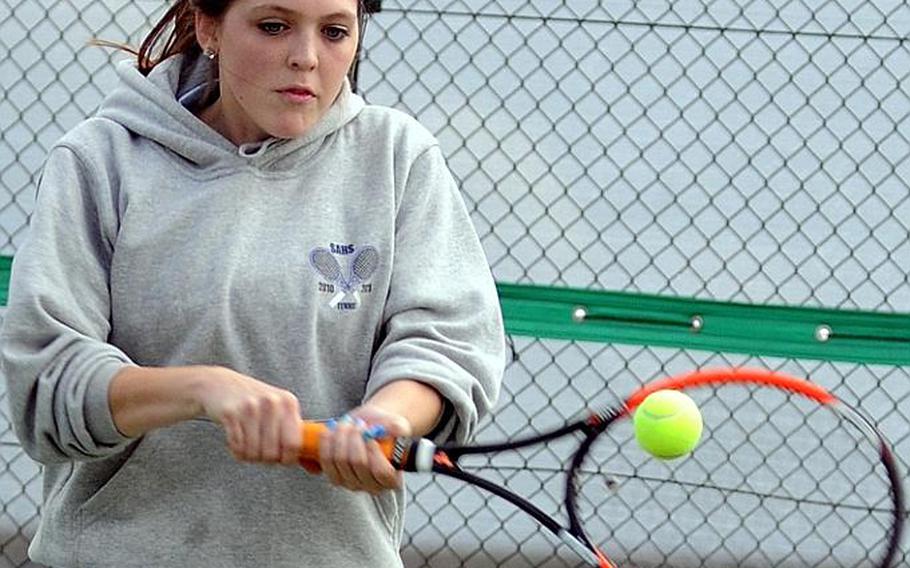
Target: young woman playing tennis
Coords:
[(234, 242)]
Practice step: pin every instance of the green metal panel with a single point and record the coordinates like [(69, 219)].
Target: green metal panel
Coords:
[(642, 319), (6, 263)]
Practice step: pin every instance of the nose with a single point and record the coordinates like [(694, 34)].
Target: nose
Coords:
[(302, 52)]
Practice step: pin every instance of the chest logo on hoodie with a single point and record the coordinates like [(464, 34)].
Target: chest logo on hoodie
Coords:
[(345, 281)]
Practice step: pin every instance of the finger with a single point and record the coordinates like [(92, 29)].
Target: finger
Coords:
[(326, 457), (270, 431), (386, 476), (346, 435), (290, 434), (250, 426), (234, 436), (362, 466)]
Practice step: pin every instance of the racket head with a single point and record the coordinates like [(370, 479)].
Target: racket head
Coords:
[(766, 490), (326, 264), (365, 263)]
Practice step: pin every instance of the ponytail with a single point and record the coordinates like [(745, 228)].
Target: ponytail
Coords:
[(180, 21), (174, 34)]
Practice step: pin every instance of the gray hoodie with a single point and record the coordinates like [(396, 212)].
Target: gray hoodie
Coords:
[(328, 265)]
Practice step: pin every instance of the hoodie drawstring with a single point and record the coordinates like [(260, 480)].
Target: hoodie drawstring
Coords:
[(254, 149)]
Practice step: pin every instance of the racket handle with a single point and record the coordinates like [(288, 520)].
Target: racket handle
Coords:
[(405, 454)]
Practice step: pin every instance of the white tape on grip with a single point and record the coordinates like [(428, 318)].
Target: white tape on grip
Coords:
[(423, 455)]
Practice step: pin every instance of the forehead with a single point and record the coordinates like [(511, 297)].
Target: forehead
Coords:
[(318, 8)]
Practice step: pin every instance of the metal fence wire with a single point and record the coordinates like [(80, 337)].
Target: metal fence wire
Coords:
[(754, 152)]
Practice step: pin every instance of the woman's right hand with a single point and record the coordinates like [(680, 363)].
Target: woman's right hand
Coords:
[(262, 422)]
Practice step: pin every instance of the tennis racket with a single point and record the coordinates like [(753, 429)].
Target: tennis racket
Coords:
[(583, 529), (362, 268), (327, 265)]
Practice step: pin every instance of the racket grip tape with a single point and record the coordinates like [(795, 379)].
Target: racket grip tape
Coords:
[(404, 453)]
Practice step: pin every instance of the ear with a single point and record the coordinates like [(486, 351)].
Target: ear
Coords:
[(206, 31)]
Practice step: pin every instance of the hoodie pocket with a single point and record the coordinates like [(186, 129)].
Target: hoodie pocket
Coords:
[(106, 483), (151, 472), (387, 505)]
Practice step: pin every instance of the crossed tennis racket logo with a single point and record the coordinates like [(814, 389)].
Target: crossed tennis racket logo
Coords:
[(360, 270)]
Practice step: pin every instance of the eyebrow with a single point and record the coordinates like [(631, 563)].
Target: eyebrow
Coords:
[(341, 14)]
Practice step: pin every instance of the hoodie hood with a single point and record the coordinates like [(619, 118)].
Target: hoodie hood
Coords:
[(151, 107)]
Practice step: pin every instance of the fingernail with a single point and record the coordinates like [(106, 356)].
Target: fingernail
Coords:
[(377, 431)]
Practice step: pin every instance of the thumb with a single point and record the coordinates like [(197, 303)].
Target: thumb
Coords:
[(398, 426), (395, 425)]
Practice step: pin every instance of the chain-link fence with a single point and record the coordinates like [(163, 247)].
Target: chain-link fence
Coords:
[(754, 152)]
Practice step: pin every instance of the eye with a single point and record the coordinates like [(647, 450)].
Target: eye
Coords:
[(272, 28), (335, 33)]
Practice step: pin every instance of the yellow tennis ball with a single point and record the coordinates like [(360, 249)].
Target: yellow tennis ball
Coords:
[(668, 424)]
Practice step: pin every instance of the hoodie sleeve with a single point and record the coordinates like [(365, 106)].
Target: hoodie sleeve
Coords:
[(53, 351), (443, 324)]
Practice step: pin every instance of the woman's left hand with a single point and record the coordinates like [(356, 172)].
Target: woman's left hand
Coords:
[(355, 462)]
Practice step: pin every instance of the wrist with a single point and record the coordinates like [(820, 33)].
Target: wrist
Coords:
[(418, 403), (201, 382)]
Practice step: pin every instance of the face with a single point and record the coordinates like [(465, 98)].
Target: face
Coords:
[(281, 64)]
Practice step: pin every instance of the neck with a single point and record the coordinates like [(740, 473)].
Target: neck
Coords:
[(214, 116)]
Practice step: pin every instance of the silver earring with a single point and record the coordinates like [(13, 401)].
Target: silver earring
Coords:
[(210, 53)]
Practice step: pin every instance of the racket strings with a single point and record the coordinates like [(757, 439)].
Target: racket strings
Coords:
[(326, 264), (364, 264), (613, 480), (786, 488)]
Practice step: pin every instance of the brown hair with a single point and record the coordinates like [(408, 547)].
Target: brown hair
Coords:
[(175, 32)]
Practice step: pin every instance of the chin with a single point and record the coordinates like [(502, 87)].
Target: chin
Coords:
[(289, 129)]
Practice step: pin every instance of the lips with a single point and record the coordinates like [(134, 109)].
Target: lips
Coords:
[(297, 94), (298, 91)]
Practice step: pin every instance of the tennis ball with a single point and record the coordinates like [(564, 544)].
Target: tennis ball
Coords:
[(667, 424)]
